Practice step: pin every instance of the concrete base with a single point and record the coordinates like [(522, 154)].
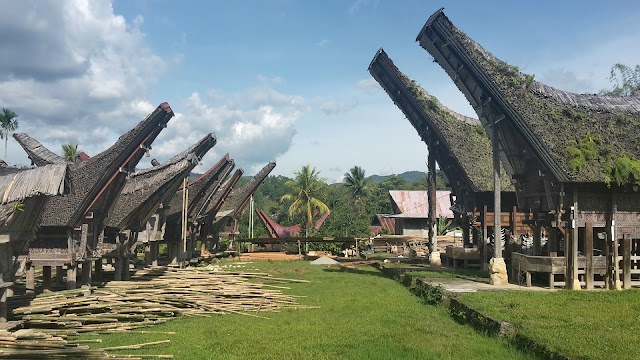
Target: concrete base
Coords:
[(498, 271), (434, 260), (576, 285)]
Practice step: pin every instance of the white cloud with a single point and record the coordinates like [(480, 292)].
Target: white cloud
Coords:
[(74, 71), (335, 107), (359, 4), (254, 126), (367, 86), (323, 43)]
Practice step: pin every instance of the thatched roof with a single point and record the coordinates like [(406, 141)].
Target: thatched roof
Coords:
[(238, 199), (24, 192), (19, 184), (462, 147), (37, 153), (200, 189), (145, 190), (96, 182), (578, 137), (221, 195)]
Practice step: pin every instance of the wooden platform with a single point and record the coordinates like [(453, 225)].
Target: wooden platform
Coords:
[(469, 257)]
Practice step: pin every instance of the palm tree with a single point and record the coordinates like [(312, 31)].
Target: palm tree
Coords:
[(70, 153), (358, 184), (305, 189), (8, 124)]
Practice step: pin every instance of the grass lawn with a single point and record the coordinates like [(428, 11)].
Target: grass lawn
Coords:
[(362, 315), (586, 325)]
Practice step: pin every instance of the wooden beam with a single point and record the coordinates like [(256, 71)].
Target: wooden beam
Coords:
[(496, 191), (588, 250), (431, 195)]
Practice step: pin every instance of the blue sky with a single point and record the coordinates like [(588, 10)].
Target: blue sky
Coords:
[(284, 80)]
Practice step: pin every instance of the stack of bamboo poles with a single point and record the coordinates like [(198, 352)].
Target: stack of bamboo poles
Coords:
[(31, 344), (154, 296)]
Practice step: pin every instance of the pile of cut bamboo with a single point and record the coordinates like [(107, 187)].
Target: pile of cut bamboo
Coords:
[(31, 344), (154, 296)]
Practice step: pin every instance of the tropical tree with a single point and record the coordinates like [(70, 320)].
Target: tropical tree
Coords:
[(358, 184), (304, 194), (626, 81), (70, 153), (8, 124)]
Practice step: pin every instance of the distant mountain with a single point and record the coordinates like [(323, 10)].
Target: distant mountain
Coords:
[(408, 176)]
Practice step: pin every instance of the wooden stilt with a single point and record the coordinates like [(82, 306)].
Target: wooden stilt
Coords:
[(154, 253), (537, 240), (46, 277), (59, 276), (97, 264), (71, 276), (85, 274), (3, 302), (31, 279), (431, 196), (571, 248), (552, 241), (147, 253), (626, 260), (485, 253), (614, 237), (588, 250)]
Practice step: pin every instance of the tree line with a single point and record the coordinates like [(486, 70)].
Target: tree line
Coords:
[(353, 202)]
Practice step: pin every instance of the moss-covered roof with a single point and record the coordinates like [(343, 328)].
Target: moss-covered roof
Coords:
[(462, 137), (579, 137)]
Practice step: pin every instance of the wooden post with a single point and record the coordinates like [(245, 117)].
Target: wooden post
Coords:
[(614, 237), (497, 204), (552, 241), (537, 240), (59, 276), (588, 250), (485, 256), (3, 302), (98, 269), (497, 266), (85, 274), (571, 247), (71, 276), (147, 253), (154, 253), (46, 277), (31, 279), (608, 274), (431, 196), (626, 260)]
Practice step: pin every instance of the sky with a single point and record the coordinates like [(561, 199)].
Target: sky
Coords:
[(279, 80)]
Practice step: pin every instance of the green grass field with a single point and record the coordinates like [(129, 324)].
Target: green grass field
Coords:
[(584, 325), (362, 315)]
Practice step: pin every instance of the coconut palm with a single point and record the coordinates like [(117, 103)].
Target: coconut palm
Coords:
[(8, 124), (305, 190), (70, 153), (358, 184)]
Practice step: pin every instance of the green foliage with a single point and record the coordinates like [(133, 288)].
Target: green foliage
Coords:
[(70, 153), (626, 81), (573, 113), (18, 207), (585, 149), (443, 225), (514, 80), (8, 124), (528, 79), (479, 129), (626, 171), (306, 189), (358, 184)]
